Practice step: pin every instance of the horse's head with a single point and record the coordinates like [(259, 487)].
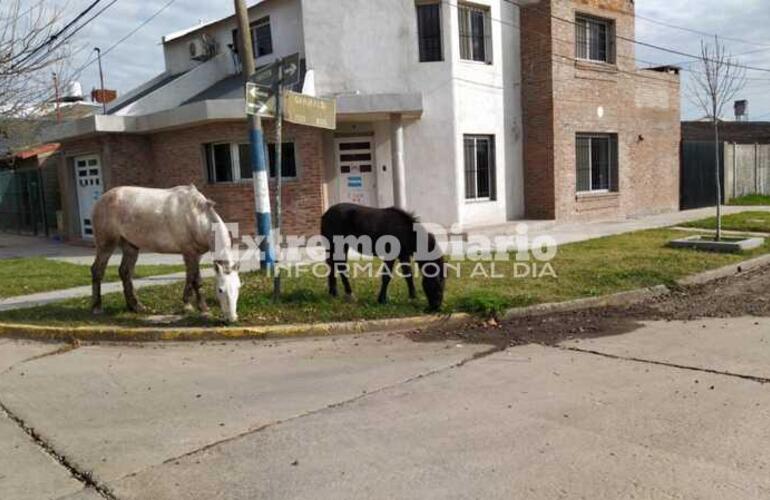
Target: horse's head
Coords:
[(228, 285), (433, 280)]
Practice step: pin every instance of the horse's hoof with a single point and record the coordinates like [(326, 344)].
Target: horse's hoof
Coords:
[(138, 309), (350, 298), (382, 301)]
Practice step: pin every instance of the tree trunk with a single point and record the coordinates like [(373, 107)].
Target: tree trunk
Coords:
[(718, 180)]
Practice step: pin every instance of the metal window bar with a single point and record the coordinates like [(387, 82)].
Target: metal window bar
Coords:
[(429, 32), (593, 39), (479, 168), (596, 163), (475, 34), (262, 37)]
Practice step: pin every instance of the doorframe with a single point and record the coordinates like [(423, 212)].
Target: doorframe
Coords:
[(78, 208), (360, 137)]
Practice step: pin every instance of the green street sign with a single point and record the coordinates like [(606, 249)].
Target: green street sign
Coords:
[(268, 76), (311, 111), (259, 100)]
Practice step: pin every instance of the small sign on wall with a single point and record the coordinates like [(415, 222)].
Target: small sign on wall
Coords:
[(355, 181)]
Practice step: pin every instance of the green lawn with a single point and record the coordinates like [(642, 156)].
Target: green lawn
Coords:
[(38, 274), (586, 269), (753, 222), (751, 200)]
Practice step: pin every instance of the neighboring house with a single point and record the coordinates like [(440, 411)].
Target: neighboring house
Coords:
[(744, 151), (440, 83), (601, 137), (30, 197), (29, 190)]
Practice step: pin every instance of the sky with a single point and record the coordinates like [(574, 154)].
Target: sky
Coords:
[(744, 24)]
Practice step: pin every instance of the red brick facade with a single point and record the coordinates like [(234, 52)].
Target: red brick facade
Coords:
[(564, 96), (175, 157)]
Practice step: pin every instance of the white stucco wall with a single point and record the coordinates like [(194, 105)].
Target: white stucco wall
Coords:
[(372, 48), (285, 24)]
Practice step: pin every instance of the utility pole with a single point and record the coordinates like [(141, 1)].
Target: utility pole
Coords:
[(56, 92), (278, 171), (257, 141), (101, 78)]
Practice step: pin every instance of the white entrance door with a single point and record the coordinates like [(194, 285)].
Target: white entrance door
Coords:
[(355, 167), (88, 176)]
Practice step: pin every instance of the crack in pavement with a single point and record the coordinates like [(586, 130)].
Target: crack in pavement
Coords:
[(760, 380), (339, 404), (84, 477), (73, 345)]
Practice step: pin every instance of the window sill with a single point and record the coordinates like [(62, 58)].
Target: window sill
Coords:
[(244, 182), (603, 67), (477, 63), (479, 201), (594, 195)]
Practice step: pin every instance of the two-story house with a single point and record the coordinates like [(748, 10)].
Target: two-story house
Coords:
[(472, 103)]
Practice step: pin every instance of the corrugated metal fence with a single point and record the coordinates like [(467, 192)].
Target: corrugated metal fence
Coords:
[(747, 169), (29, 200)]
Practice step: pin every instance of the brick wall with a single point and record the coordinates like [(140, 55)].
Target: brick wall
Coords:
[(538, 108), (641, 107), (173, 158)]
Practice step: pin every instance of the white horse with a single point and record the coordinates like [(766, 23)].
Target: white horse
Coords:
[(172, 221)]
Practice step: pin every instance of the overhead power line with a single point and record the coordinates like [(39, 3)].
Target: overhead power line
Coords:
[(124, 38), (56, 35), (71, 34)]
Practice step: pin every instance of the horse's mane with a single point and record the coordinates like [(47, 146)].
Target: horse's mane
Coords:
[(410, 216)]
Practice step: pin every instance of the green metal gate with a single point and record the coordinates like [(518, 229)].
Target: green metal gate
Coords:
[(29, 200)]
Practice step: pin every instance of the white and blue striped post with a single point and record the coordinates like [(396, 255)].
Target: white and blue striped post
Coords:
[(257, 140), (261, 194)]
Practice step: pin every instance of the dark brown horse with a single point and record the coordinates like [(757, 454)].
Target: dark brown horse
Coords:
[(391, 234)]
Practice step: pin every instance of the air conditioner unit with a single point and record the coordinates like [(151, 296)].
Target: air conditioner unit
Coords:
[(202, 48)]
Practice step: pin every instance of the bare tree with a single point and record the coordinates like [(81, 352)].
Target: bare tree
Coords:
[(714, 84), (30, 52)]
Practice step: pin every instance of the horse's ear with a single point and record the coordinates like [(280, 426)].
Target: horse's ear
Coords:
[(237, 266), (218, 267), (210, 203)]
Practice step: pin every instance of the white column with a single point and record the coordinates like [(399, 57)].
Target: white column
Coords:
[(397, 160)]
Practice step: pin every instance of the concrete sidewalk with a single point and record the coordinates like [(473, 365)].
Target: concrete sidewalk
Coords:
[(670, 410), (582, 231)]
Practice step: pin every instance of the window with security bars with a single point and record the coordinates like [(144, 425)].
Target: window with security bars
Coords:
[(475, 33), (231, 162), (429, 31), (261, 37), (597, 163), (479, 167), (594, 39)]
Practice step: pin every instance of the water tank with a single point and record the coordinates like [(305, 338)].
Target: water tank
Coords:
[(73, 92), (741, 110)]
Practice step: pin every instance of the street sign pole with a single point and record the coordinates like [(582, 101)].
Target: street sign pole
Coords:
[(278, 172), (257, 141)]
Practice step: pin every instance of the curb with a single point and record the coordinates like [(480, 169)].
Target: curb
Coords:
[(726, 271), (181, 334), (165, 334)]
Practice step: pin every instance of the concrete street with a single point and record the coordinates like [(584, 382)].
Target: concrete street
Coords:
[(672, 409)]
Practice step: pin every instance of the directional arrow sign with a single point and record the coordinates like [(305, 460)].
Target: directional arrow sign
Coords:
[(311, 111), (267, 76), (259, 100)]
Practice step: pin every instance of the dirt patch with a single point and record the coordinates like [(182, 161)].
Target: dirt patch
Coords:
[(746, 294)]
